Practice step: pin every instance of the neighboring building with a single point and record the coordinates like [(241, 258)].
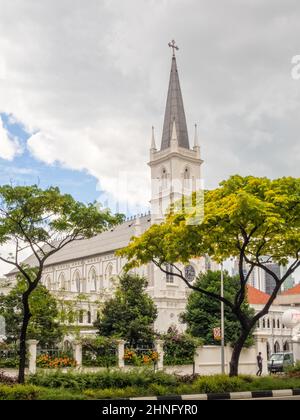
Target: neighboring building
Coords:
[(262, 280), (270, 327), (290, 297)]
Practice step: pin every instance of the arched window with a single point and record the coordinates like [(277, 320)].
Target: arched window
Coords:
[(89, 317), (109, 275), (62, 282), (268, 323), (278, 323), (274, 323), (169, 275), (276, 347), (286, 346), (264, 323), (76, 281), (80, 316), (48, 282), (92, 280)]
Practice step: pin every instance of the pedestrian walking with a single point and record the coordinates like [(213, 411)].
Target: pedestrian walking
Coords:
[(259, 364)]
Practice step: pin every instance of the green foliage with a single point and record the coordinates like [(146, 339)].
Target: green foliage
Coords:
[(218, 383), (111, 385), (30, 392), (42, 326), (179, 348), (33, 214), (18, 392), (44, 221), (130, 314), (101, 380), (294, 371), (99, 351), (202, 313), (247, 218)]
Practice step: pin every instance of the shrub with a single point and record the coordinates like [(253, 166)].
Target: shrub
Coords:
[(113, 393), (99, 351), (218, 383), (101, 380), (18, 392), (10, 362), (179, 348), (294, 371)]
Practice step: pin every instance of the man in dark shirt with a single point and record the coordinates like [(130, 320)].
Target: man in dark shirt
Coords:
[(259, 364)]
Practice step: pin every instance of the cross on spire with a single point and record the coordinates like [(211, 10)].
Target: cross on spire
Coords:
[(173, 45)]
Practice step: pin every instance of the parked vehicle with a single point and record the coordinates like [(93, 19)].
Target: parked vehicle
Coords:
[(278, 362)]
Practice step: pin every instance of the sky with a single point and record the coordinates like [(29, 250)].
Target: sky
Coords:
[(82, 83)]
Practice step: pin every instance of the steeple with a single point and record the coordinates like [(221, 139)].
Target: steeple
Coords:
[(174, 110)]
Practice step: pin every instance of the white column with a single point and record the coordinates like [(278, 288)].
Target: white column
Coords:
[(78, 353), (296, 347), (32, 345), (121, 351), (159, 346)]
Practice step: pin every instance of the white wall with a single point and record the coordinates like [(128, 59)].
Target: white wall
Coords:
[(208, 360)]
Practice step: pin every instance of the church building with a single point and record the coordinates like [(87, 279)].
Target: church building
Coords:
[(90, 268)]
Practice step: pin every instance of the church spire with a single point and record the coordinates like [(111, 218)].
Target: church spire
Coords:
[(174, 109)]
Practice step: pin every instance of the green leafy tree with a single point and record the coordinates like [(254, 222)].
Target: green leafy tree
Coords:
[(44, 221), (130, 314), (247, 218), (43, 325), (203, 314)]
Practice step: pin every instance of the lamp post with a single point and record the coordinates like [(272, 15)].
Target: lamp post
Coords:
[(222, 322)]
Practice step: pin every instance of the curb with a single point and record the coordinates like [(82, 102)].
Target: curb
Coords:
[(224, 396)]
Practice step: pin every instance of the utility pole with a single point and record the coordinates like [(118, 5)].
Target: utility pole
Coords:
[(222, 323)]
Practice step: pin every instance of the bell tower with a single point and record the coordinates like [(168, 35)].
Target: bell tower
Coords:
[(175, 168)]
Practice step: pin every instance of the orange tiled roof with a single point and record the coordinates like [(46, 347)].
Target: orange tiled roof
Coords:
[(293, 291), (256, 297)]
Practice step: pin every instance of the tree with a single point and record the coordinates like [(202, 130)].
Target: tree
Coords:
[(130, 314), (44, 221), (43, 325), (202, 313), (255, 220)]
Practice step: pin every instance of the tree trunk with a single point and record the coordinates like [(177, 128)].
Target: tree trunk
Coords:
[(234, 362), (23, 336)]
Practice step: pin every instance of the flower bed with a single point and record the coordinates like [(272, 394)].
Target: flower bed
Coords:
[(52, 362), (139, 358)]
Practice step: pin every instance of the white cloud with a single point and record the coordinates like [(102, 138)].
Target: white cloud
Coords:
[(9, 147), (89, 79)]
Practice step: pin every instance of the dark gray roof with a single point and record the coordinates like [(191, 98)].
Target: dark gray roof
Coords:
[(175, 111), (106, 242)]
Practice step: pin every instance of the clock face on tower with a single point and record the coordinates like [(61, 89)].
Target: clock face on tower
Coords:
[(190, 273)]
